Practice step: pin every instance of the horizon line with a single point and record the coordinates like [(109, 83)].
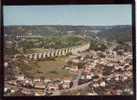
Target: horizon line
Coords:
[(67, 25)]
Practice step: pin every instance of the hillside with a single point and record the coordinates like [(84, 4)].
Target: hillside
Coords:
[(119, 32)]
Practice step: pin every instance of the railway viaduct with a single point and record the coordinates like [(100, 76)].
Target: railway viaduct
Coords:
[(58, 52)]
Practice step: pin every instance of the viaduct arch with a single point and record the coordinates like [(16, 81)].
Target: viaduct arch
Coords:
[(58, 52)]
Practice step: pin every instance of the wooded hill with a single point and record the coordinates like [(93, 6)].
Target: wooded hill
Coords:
[(119, 32)]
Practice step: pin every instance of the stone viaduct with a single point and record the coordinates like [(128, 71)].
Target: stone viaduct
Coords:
[(58, 52)]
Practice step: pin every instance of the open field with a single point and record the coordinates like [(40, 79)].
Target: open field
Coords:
[(52, 69)]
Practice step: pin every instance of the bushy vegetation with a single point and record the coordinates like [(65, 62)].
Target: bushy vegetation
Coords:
[(95, 45), (119, 33), (55, 42)]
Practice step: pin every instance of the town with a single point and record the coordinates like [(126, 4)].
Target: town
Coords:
[(68, 50), (96, 72)]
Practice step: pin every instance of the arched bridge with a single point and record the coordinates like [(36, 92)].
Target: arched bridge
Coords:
[(58, 52)]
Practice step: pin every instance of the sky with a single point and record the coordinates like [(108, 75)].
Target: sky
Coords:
[(68, 15)]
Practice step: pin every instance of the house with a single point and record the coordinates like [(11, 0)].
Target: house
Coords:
[(117, 78), (124, 78), (52, 87), (66, 83), (82, 77), (82, 58), (12, 82), (74, 69), (27, 91), (26, 61), (12, 91), (102, 62), (116, 67), (47, 80), (88, 76), (95, 85), (20, 77), (37, 80), (40, 93), (28, 82), (40, 85), (109, 78), (102, 84), (7, 89), (67, 68)]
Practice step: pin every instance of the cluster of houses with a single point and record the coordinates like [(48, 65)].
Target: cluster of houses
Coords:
[(111, 72), (36, 86)]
